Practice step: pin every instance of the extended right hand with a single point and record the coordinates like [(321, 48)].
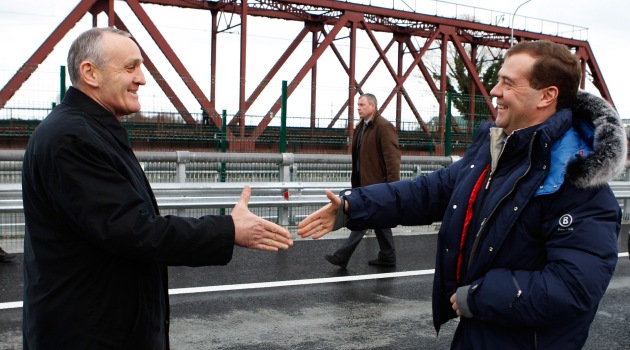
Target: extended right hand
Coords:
[(252, 231), (322, 221)]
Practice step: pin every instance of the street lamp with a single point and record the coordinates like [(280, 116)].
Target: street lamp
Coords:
[(512, 25)]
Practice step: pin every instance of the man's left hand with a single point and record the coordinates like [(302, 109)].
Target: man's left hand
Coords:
[(454, 304)]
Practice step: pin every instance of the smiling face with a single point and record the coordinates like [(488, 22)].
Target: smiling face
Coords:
[(518, 104), (115, 86)]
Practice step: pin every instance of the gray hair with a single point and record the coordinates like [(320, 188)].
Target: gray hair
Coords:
[(88, 47), (371, 99)]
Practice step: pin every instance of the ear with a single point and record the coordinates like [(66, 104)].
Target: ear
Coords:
[(549, 97), (89, 74)]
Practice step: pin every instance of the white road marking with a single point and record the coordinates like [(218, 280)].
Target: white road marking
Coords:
[(297, 282), (244, 286)]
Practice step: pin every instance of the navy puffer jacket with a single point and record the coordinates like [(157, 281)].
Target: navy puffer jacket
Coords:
[(541, 246)]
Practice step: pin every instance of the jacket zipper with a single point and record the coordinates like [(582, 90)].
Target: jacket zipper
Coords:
[(519, 291), (483, 223)]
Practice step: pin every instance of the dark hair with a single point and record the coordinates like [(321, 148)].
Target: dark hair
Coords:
[(88, 47), (555, 66)]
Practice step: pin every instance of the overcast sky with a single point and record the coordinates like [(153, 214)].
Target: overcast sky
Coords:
[(607, 34), (26, 24)]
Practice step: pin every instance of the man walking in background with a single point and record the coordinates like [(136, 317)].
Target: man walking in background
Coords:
[(5, 257), (375, 159)]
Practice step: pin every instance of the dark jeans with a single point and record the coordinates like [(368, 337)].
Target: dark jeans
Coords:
[(385, 241)]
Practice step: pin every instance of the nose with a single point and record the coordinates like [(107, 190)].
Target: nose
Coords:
[(495, 90), (140, 79)]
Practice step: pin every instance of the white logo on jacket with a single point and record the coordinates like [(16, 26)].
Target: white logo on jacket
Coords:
[(565, 220)]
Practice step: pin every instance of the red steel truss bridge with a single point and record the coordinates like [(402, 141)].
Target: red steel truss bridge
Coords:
[(411, 34)]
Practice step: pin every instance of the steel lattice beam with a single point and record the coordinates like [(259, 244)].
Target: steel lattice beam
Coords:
[(320, 17)]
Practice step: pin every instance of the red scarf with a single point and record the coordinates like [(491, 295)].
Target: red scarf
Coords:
[(469, 214)]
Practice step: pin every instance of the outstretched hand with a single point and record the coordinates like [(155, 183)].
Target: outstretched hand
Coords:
[(322, 221), (252, 231)]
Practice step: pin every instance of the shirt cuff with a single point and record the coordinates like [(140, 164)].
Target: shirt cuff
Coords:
[(341, 219), (461, 298)]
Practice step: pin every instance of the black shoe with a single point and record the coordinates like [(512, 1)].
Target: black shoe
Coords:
[(335, 261), (5, 257), (379, 262)]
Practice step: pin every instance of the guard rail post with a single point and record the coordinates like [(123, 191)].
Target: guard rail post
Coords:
[(284, 175), (183, 157), (417, 171)]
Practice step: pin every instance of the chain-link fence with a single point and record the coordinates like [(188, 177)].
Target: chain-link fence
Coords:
[(321, 126)]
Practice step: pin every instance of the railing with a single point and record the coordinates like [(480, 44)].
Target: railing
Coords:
[(285, 187), (175, 196), (183, 197), (449, 9), (185, 166), (286, 201)]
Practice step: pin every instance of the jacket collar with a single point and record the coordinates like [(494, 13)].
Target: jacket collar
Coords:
[(78, 99), (371, 121), (590, 124), (600, 127)]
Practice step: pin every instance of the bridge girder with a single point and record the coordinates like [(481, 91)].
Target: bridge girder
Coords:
[(325, 19)]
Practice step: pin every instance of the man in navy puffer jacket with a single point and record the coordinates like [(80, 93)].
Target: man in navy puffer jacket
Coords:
[(528, 241)]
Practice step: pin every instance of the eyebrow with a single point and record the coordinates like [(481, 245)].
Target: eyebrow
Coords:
[(506, 78), (135, 61)]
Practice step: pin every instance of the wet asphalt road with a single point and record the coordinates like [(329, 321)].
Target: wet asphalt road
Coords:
[(389, 312)]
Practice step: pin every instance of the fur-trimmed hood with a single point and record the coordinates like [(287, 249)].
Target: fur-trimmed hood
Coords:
[(593, 115)]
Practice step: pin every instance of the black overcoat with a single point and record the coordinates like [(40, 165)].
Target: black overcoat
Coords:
[(96, 248)]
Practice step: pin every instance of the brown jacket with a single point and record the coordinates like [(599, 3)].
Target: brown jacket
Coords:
[(379, 153)]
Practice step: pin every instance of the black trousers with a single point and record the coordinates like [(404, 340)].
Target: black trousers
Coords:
[(385, 242)]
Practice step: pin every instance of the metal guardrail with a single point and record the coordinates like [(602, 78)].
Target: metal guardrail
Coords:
[(185, 166), (184, 196), (170, 195), (272, 158), (226, 195), (284, 202), (180, 195), (284, 195)]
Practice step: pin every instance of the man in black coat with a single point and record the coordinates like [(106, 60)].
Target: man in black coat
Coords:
[(96, 249)]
